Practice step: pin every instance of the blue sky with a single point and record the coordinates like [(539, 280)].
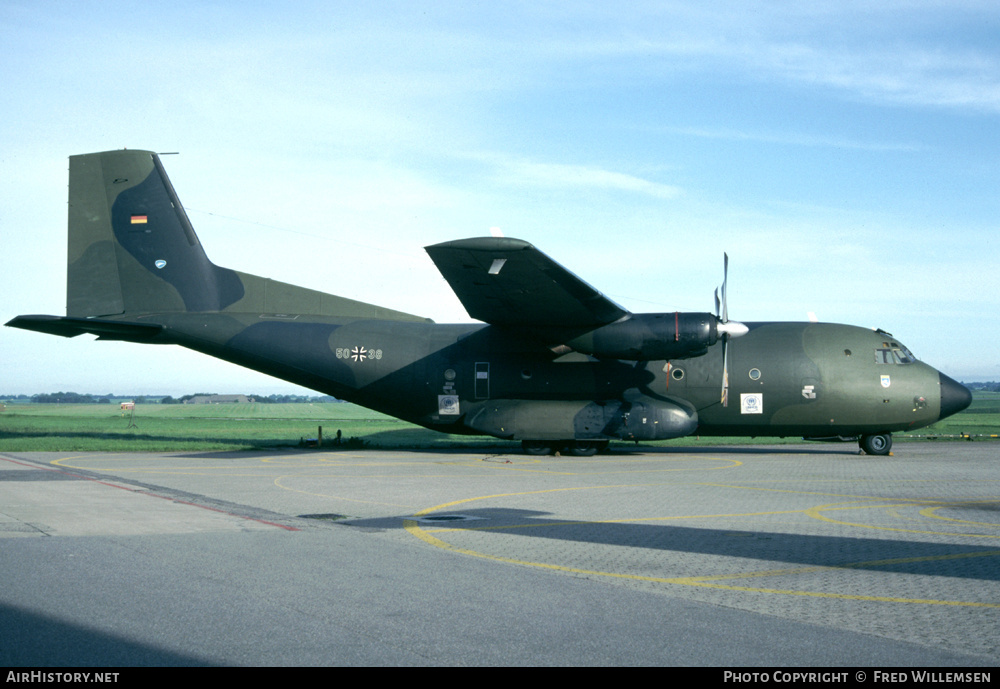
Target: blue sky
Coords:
[(844, 155)]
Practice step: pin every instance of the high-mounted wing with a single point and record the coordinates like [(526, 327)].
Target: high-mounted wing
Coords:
[(508, 282)]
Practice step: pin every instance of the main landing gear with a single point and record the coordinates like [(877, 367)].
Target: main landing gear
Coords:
[(878, 444), (575, 448)]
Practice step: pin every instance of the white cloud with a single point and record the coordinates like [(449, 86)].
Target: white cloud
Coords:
[(520, 172), (901, 74), (794, 139), (920, 54)]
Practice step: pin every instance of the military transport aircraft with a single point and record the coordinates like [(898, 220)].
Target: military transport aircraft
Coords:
[(556, 364)]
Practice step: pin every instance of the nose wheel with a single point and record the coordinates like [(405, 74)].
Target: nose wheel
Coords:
[(878, 444)]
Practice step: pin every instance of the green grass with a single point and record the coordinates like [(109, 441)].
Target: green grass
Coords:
[(87, 427), (189, 427), (982, 418)]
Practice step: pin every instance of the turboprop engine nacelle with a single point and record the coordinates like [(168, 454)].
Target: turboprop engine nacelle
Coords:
[(654, 336)]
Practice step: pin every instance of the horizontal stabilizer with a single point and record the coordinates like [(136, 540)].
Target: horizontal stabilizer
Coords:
[(66, 326), (506, 281)]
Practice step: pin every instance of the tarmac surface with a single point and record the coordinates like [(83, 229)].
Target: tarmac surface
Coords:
[(779, 556)]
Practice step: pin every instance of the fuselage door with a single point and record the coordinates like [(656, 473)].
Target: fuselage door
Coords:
[(482, 380)]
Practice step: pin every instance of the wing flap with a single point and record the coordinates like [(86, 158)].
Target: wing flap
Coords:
[(508, 282)]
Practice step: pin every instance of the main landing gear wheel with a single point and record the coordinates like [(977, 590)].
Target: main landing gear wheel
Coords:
[(581, 448), (879, 444), (536, 448), (575, 448)]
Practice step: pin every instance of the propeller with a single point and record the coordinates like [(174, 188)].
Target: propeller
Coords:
[(726, 328)]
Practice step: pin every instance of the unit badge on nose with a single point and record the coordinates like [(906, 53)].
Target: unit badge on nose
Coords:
[(885, 380)]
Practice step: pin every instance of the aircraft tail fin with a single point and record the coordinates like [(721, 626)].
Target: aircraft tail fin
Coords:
[(131, 246), (133, 251)]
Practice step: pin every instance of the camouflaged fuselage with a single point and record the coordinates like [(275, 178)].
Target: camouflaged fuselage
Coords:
[(557, 360)]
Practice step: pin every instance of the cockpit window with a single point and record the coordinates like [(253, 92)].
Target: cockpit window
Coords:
[(905, 354), (893, 353)]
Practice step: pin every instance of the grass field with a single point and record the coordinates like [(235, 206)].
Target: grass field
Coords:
[(155, 427), (981, 419)]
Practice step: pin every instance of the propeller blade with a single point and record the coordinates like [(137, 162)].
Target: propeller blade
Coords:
[(725, 371), (725, 279), (726, 329)]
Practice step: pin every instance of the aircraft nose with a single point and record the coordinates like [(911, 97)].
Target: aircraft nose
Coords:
[(954, 396)]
